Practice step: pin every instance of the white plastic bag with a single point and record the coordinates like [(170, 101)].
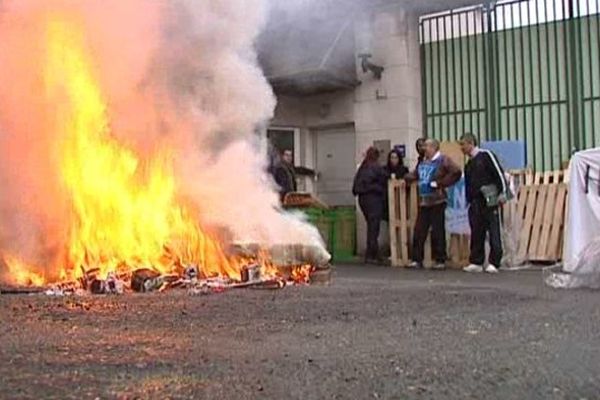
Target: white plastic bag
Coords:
[(586, 273)]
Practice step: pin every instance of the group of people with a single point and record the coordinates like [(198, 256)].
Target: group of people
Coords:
[(485, 187)]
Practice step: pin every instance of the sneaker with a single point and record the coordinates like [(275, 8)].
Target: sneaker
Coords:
[(415, 265), (473, 268), (490, 269), (439, 267)]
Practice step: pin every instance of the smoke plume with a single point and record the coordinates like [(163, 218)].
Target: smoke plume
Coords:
[(181, 72)]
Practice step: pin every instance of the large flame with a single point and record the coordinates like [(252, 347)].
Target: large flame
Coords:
[(126, 212)]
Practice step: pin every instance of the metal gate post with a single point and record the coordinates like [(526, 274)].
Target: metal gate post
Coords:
[(489, 66), (573, 60)]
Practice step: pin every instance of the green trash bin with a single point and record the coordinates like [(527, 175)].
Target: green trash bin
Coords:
[(343, 220), (322, 220)]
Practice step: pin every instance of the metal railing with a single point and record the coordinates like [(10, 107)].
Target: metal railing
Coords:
[(515, 70)]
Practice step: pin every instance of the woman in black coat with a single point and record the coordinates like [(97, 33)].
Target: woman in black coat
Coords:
[(394, 169), (395, 166), (370, 184)]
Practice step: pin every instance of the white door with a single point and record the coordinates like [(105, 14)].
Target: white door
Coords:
[(335, 154)]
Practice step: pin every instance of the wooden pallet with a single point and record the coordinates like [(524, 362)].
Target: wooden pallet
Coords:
[(543, 211), (404, 208), (300, 200), (528, 177)]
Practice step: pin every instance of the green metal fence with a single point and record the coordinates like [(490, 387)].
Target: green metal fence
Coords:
[(515, 70)]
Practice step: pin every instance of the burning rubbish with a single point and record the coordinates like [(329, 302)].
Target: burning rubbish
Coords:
[(145, 280), (259, 273), (132, 164)]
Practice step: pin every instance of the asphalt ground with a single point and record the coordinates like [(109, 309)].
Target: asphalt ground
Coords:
[(374, 333)]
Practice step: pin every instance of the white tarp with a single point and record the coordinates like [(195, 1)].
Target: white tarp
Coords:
[(457, 212), (583, 220), (582, 233)]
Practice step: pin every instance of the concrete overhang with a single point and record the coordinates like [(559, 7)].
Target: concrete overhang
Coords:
[(311, 50)]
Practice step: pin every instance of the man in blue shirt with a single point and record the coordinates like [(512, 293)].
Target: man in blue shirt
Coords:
[(434, 174)]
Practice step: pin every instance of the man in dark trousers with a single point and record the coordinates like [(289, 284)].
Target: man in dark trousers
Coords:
[(486, 189), (285, 174), (434, 173)]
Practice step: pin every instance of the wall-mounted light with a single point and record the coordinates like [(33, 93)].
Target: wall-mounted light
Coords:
[(369, 66)]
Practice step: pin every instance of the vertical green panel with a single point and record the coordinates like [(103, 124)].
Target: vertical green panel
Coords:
[(454, 59), (477, 76), (540, 85), (514, 128), (531, 132), (548, 148), (596, 101), (446, 131), (557, 139), (431, 126), (469, 80), (580, 71), (566, 25), (461, 80), (590, 64), (423, 62)]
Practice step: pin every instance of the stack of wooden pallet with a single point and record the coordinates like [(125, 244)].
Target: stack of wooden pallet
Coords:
[(542, 210), (528, 177)]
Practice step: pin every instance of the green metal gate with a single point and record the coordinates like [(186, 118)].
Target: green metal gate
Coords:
[(515, 70)]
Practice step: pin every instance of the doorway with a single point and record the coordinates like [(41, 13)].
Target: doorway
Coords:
[(335, 151)]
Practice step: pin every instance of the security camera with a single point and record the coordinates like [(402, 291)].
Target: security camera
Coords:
[(369, 66)]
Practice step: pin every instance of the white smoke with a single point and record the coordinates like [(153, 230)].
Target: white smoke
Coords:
[(184, 69)]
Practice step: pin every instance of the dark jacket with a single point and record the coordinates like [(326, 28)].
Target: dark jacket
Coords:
[(285, 177), (370, 179), (446, 174), (481, 170), (400, 171)]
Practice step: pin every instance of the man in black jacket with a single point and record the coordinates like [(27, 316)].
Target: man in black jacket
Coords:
[(482, 174), (285, 174)]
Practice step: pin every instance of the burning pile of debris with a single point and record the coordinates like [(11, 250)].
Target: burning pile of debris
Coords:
[(127, 172), (297, 265)]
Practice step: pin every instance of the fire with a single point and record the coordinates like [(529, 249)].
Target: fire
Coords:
[(301, 274), (21, 273), (126, 211)]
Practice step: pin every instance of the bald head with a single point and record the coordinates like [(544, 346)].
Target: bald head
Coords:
[(432, 146)]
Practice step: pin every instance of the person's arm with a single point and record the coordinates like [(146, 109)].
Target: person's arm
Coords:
[(357, 185), (495, 170), (403, 172), (411, 177), (303, 171), (451, 174)]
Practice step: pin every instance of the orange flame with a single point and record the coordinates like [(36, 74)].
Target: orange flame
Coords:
[(301, 274), (126, 211), (21, 273)]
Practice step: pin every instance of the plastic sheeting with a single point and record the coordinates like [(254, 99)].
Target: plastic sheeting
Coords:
[(586, 274), (583, 220), (582, 234)]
